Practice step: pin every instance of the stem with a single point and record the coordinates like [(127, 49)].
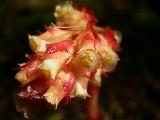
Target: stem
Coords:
[(92, 106)]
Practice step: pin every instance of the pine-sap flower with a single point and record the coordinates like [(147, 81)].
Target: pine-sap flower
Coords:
[(67, 14), (61, 87), (68, 57)]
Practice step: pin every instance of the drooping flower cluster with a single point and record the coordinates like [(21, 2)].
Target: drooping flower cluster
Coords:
[(68, 57)]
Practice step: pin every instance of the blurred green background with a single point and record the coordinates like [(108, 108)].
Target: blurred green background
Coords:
[(132, 92)]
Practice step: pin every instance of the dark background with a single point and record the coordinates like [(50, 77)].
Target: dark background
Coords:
[(132, 92)]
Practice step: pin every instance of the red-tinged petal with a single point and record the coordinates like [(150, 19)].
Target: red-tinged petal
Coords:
[(69, 85), (61, 46), (37, 44), (88, 14), (35, 89), (53, 63), (54, 95), (85, 41), (28, 71), (80, 89), (56, 91), (30, 67), (89, 27), (110, 37), (62, 87)]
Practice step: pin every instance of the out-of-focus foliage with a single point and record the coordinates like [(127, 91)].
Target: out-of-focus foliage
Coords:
[(132, 92)]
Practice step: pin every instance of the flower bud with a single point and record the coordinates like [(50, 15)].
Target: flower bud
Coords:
[(109, 58), (87, 60)]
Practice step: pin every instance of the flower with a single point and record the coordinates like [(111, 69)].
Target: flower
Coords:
[(67, 57)]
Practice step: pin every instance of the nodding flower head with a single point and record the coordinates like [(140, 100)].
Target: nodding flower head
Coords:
[(66, 60)]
